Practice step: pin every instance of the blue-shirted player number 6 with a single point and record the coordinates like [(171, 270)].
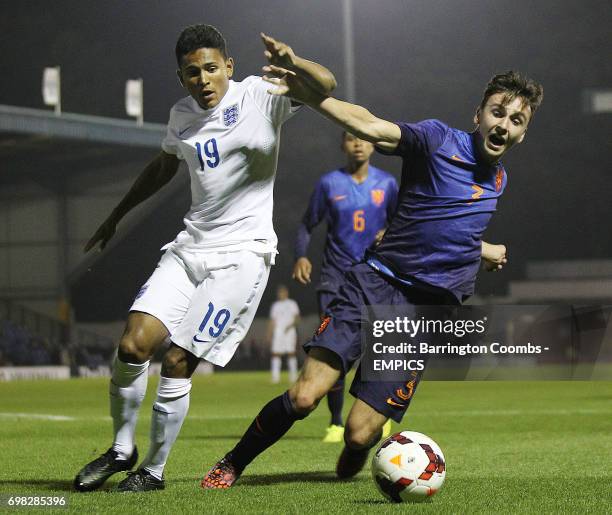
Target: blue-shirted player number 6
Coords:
[(219, 321), (210, 151)]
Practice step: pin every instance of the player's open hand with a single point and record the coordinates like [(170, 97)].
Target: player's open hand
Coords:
[(278, 53), (104, 233), (494, 257), (288, 83), (302, 270)]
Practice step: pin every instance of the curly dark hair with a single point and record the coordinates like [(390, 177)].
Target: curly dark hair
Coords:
[(512, 84), (199, 36)]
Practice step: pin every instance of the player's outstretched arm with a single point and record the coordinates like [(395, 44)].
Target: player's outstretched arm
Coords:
[(493, 256), (353, 118), (282, 55), (156, 174), (359, 121)]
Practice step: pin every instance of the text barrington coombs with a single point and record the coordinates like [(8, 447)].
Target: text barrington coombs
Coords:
[(458, 350)]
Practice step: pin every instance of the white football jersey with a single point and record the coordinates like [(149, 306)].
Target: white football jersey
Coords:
[(283, 313), (231, 151)]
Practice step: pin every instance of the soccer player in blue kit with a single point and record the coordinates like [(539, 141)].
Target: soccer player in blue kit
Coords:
[(356, 201), (429, 255)]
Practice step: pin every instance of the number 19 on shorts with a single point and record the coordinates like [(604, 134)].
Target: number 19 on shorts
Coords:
[(215, 322)]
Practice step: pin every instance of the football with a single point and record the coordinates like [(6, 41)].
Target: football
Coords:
[(408, 466)]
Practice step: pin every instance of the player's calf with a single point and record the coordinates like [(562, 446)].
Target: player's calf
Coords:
[(364, 428), (357, 437), (272, 422), (275, 419), (355, 455), (320, 372)]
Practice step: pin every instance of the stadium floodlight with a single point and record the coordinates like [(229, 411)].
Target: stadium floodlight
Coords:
[(51, 88), (134, 100), (597, 100)]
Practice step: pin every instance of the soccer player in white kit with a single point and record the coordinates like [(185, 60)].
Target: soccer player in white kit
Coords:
[(282, 330), (204, 293)]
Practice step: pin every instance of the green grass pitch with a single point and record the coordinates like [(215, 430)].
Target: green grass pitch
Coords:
[(527, 447)]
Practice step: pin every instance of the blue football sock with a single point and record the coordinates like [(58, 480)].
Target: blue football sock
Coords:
[(273, 421), (335, 402)]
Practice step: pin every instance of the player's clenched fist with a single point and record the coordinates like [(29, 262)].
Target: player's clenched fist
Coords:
[(493, 256), (302, 270)]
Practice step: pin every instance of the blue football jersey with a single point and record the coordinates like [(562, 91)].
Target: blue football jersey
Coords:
[(354, 214), (447, 197)]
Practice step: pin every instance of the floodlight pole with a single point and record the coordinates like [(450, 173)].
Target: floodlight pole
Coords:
[(58, 106), (140, 117), (349, 49)]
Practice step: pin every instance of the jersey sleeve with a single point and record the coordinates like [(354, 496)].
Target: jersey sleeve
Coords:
[(317, 208), (296, 309), (392, 193), (277, 109), (419, 139), (170, 143)]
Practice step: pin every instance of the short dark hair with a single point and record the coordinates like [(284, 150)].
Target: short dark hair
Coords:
[(199, 36), (512, 84)]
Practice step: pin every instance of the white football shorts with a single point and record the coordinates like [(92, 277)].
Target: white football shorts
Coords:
[(206, 300), (285, 343)]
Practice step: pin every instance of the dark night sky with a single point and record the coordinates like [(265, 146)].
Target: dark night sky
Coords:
[(414, 60)]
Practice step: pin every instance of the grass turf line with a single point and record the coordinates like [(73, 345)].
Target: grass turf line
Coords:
[(510, 447)]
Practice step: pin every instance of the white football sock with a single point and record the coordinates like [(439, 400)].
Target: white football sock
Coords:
[(275, 368), (292, 366), (169, 411), (128, 386)]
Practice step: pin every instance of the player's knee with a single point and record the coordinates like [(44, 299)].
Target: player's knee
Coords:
[(134, 348), (361, 436), (304, 403), (304, 398)]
